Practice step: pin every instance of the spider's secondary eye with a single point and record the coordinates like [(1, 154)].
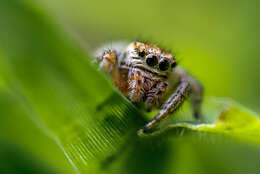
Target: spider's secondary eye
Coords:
[(164, 65), (141, 53), (173, 64), (151, 60)]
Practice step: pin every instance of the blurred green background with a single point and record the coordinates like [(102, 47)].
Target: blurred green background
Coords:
[(217, 41), (49, 101)]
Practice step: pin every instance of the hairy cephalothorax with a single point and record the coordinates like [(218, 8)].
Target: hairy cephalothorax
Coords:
[(147, 75)]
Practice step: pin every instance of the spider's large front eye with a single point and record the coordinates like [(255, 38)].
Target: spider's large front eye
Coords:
[(163, 65), (151, 60), (174, 64), (141, 53)]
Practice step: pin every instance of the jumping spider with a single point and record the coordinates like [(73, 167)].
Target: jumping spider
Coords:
[(147, 75)]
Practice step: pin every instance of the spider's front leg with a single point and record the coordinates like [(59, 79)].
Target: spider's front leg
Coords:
[(136, 83), (108, 61), (172, 104), (187, 85), (196, 91)]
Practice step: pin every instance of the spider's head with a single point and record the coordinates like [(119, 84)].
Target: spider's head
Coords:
[(150, 58)]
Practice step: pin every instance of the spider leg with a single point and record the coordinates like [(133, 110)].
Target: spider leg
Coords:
[(108, 61), (153, 96), (171, 105), (196, 91), (136, 83), (196, 99)]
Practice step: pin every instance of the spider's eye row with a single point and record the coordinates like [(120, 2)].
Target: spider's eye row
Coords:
[(163, 65), (141, 53), (174, 64), (151, 60)]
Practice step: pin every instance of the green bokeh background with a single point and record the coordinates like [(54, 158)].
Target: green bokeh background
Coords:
[(217, 41)]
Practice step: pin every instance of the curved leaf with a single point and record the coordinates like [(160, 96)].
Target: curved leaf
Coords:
[(60, 88)]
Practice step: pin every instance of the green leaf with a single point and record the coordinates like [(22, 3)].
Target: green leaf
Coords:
[(16, 161), (222, 116), (52, 79), (60, 88), (23, 146)]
